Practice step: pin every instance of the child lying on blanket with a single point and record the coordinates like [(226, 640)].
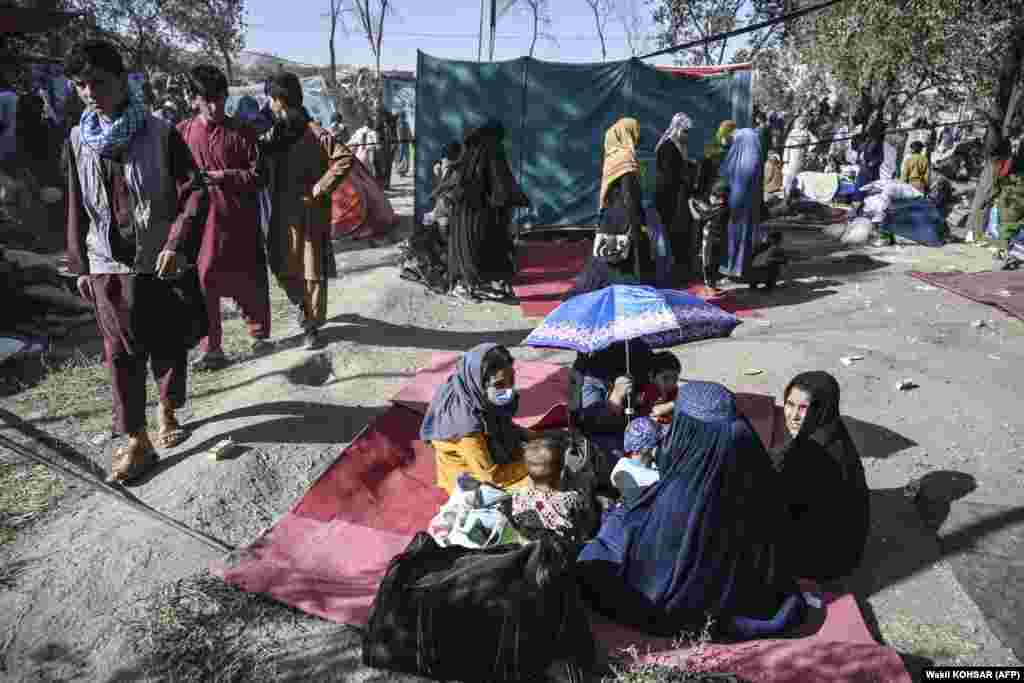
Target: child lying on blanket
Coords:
[(635, 472), (543, 506)]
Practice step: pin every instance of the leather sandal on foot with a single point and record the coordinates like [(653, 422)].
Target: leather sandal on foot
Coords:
[(170, 438), (126, 468)]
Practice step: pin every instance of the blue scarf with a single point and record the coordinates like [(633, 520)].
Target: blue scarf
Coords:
[(108, 139)]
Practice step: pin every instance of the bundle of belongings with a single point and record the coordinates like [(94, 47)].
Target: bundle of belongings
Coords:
[(501, 613), (424, 258), (819, 187), (1015, 252), (425, 253), (900, 209)]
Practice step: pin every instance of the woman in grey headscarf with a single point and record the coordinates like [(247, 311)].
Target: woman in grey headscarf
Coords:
[(469, 421), (674, 186)]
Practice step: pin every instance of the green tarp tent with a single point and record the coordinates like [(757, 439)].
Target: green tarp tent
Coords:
[(556, 115)]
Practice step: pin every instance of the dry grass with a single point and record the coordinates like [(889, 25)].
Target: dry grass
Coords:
[(656, 673), (80, 386), (24, 492), (200, 629), (931, 641), (627, 669)]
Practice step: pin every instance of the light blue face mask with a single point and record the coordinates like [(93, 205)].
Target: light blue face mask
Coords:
[(501, 397)]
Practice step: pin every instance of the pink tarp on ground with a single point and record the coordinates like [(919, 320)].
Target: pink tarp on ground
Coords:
[(548, 270), (328, 554), (1003, 289)]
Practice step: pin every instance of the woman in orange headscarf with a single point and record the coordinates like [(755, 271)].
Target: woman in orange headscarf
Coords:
[(622, 249)]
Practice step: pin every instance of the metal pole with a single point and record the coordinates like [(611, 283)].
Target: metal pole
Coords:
[(51, 458), (480, 38)]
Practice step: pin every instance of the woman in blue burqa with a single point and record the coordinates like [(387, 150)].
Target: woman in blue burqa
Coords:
[(702, 542), (740, 177)]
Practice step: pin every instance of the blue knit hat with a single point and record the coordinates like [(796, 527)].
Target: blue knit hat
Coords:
[(642, 434)]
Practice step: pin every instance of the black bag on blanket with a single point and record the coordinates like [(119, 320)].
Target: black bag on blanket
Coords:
[(501, 614)]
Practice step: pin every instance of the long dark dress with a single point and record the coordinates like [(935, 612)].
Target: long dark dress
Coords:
[(825, 488), (483, 193), (674, 187), (701, 542)]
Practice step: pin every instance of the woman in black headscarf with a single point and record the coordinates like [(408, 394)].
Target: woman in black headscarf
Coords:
[(824, 485), (483, 194), (600, 388)]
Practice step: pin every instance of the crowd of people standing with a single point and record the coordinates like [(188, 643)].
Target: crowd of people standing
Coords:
[(167, 220)]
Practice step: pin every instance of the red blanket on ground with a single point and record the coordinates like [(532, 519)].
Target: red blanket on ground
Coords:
[(328, 554), (1003, 289)]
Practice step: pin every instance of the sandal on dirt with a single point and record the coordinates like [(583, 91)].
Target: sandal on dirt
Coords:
[(170, 438), (124, 472)]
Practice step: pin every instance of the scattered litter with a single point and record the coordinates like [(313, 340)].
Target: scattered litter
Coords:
[(906, 385), (994, 356), (753, 371), (978, 324), (925, 288), (764, 323), (221, 448), (912, 340), (849, 360), (890, 310)]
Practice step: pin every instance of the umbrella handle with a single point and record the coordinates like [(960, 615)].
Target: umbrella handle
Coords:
[(629, 397)]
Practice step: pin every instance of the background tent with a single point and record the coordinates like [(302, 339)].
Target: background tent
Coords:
[(314, 98), (555, 117)]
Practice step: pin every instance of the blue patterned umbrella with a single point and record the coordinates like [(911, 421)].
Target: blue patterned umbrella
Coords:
[(660, 317)]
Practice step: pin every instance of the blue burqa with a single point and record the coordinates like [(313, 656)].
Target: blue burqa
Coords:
[(701, 542), (741, 170)]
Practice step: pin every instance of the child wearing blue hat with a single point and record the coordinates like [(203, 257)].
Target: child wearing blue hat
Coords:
[(635, 471)]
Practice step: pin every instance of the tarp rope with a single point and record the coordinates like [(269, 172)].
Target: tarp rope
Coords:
[(740, 31), (51, 457)]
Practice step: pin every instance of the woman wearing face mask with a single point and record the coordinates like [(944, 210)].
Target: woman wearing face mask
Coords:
[(824, 485), (469, 422)]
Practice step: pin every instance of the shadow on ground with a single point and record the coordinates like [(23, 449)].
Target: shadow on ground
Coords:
[(293, 422), (371, 332)]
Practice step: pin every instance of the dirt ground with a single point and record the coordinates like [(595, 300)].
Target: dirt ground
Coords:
[(92, 591)]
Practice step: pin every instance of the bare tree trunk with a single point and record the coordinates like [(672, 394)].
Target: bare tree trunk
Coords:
[(536, 25), (600, 29), (229, 65), (1000, 116), (333, 79)]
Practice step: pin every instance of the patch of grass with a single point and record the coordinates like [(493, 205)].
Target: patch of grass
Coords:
[(656, 673), (25, 491), (79, 387), (200, 629), (932, 641)]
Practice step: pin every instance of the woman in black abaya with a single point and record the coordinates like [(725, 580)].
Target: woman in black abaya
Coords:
[(483, 195)]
